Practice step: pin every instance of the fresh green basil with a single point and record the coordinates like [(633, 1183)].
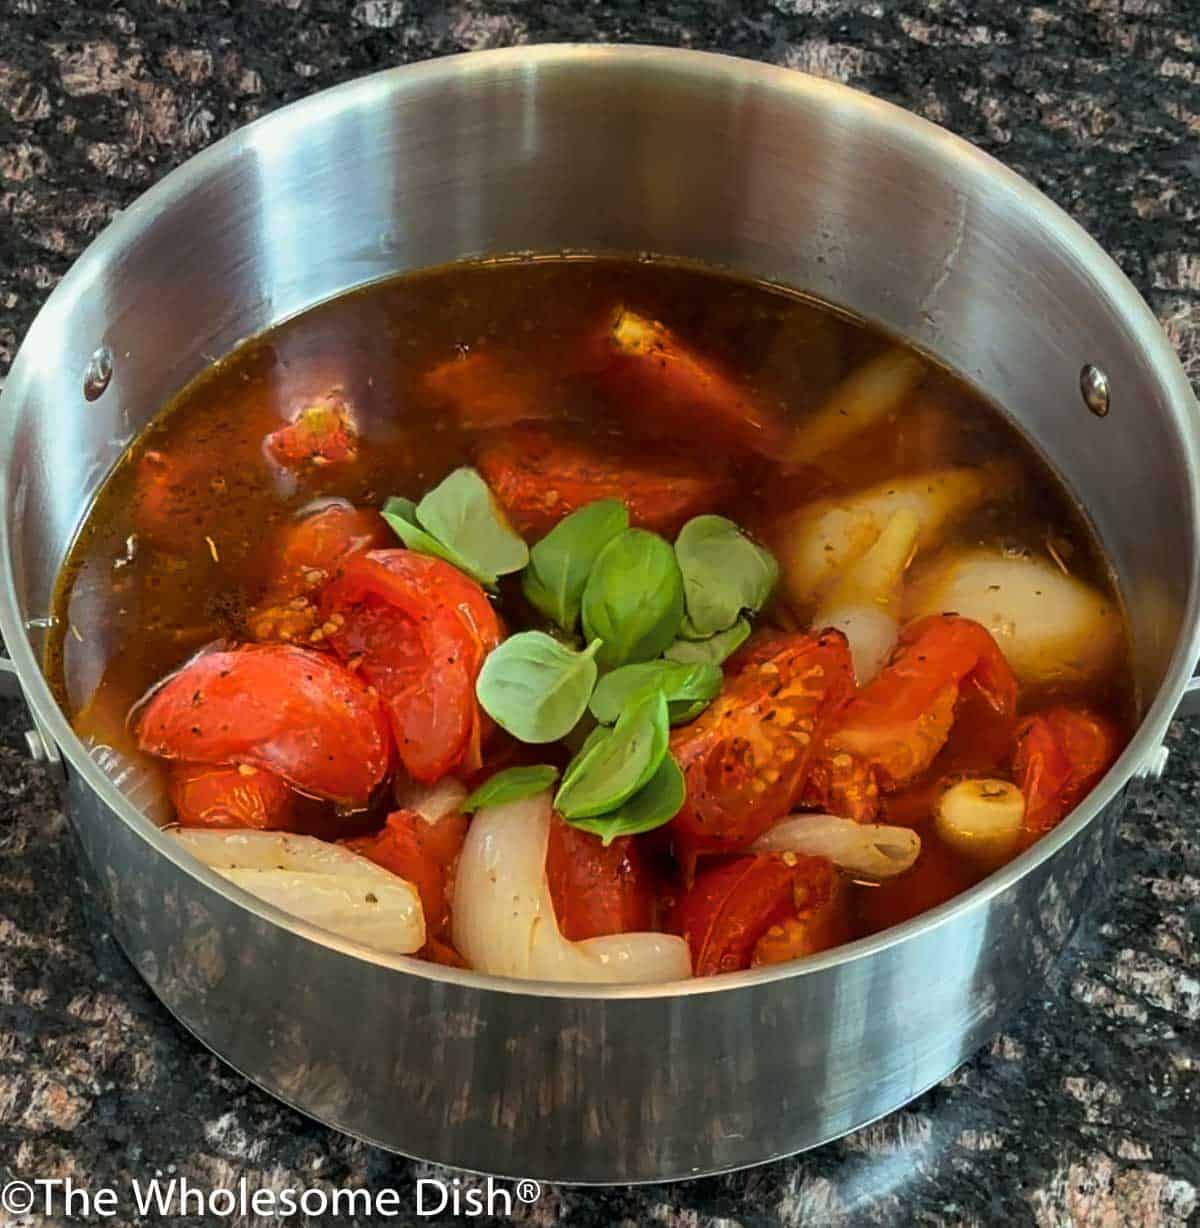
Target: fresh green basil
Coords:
[(460, 513), (613, 764), (560, 563), (511, 785), (535, 687), (689, 689), (655, 803), (724, 573), (401, 514), (633, 599), (715, 649)]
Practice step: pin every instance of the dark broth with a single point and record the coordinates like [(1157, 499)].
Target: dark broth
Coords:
[(129, 609)]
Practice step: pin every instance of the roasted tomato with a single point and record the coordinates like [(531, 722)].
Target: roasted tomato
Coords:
[(423, 853), (302, 557), (539, 475), (896, 725), (665, 388), (320, 434), (746, 757), (418, 630), (243, 796), (821, 900), (1060, 755), (597, 890), (484, 390), (734, 903), (288, 710)]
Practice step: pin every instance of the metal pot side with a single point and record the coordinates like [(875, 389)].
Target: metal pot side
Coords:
[(756, 169)]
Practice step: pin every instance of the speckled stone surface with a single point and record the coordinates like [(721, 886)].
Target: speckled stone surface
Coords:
[(1085, 1112)]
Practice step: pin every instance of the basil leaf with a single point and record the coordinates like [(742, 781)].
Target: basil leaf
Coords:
[(401, 514), (535, 687), (462, 516), (560, 563), (689, 689), (613, 764), (724, 573), (633, 599), (655, 803), (715, 649), (510, 785)]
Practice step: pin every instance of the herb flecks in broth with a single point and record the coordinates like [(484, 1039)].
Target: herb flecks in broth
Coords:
[(688, 615)]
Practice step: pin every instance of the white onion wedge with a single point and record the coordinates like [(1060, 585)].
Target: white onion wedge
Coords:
[(866, 396), (870, 850), (1050, 626), (864, 602), (503, 916), (432, 802), (982, 819), (319, 882), (815, 543)]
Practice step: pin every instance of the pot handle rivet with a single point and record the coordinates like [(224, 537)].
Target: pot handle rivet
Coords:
[(99, 372), (1093, 385)]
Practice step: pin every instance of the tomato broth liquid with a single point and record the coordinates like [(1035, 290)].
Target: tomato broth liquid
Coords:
[(133, 605)]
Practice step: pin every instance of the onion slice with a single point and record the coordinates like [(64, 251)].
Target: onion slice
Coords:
[(867, 849), (319, 882), (982, 819), (503, 915), (432, 802)]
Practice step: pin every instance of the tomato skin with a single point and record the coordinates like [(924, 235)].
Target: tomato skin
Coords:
[(418, 630), (539, 475), (731, 904), (746, 757), (206, 796), (423, 853), (664, 387), (597, 890), (894, 728), (484, 391), (320, 434), (821, 899), (1060, 754), (301, 557), (278, 707)]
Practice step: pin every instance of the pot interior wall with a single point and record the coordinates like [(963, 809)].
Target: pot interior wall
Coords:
[(778, 177)]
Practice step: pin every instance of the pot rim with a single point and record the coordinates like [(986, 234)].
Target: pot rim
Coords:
[(1134, 313)]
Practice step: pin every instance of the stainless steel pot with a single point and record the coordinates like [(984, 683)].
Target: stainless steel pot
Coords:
[(757, 169)]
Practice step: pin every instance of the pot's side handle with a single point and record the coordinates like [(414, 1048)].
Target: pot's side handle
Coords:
[(42, 747), (1189, 701)]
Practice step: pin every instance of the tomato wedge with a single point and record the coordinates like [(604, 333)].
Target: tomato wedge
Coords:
[(540, 475), (732, 904), (206, 796), (418, 630), (597, 890), (278, 707), (665, 387), (1061, 753), (423, 853), (821, 899), (320, 434), (746, 757), (896, 725), (301, 557), (484, 391)]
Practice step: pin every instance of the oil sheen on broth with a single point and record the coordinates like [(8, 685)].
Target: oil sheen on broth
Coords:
[(132, 605)]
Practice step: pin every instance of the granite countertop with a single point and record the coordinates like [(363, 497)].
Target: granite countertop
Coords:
[(1085, 1110)]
